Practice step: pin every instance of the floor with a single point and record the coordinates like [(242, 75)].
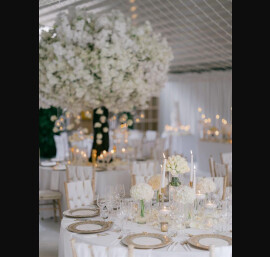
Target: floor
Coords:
[(48, 237)]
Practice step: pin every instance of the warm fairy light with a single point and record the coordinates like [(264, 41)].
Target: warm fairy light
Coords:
[(203, 116), (137, 120), (209, 120), (205, 121), (123, 125), (133, 8), (199, 109), (123, 150), (57, 123), (114, 117), (142, 115), (224, 121), (78, 117), (132, 1), (164, 156), (62, 119), (216, 132), (112, 151), (134, 16), (77, 150), (217, 116), (104, 152), (61, 128), (208, 132)]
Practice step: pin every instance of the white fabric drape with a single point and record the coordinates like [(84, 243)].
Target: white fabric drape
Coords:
[(212, 91)]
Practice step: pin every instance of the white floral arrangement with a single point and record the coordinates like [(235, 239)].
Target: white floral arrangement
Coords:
[(177, 164), (88, 60), (205, 186), (142, 191), (185, 194)]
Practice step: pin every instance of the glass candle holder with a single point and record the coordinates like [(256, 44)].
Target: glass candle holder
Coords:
[(164, 226)]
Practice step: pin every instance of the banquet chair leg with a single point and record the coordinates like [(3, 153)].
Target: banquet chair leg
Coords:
[(54, 211), (59, 208)]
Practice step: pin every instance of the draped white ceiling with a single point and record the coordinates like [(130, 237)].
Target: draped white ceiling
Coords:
[(199, 31)]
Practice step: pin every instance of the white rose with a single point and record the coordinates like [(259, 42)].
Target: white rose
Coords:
[(99, 141), (103, 119), (99, 136), (105, 130), (53, 118), (99, 111), (97, 125)]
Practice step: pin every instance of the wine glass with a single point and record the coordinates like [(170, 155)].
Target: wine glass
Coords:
[(121, 190)]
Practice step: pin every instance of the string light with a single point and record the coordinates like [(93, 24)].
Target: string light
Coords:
[(203, 116), (199, 109), (133, 8), (134, 16), (217, 117)]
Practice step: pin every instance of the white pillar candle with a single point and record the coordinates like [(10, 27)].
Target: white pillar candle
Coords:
[(191, 166), (163, 172), (194, 179)]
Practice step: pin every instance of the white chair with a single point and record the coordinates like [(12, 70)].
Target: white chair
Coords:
[(150, 135), (211, 166), (142, 171), (226, 158), (79, 194), (61, 144), (220, 251), (222, 170), (80, 173), (51, 195), (83, 249)]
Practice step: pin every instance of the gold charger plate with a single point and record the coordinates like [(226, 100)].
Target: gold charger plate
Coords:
[(195, 240), (164, 240), (72, 213), (103, 224)]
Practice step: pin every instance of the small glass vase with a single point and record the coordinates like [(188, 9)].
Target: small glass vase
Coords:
[(174, 184), (141, 218)]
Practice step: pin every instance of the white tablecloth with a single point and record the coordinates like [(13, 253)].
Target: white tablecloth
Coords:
[(65, 249), (48, 178)]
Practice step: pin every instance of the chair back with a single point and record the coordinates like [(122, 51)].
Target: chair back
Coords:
[(80, 173), (220, 251), (211, 166), (142, 171), (150, 135), (79, 194), (226, 158)]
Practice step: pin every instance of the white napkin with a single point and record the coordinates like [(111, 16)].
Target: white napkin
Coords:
[(222, 251)]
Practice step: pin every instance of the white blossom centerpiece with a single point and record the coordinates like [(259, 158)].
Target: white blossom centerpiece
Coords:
[(87, 61)]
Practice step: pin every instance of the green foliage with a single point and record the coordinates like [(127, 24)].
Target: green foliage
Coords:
[(46, 141)]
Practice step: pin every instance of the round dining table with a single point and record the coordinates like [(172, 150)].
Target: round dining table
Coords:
[(111, 237)]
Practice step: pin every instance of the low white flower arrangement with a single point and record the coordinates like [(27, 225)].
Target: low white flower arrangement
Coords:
[(185, 195), (206, 185), (177, 164), (142, 191)]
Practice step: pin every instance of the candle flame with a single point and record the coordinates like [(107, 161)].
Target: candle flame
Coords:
[(190, 151), (164, 156)]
